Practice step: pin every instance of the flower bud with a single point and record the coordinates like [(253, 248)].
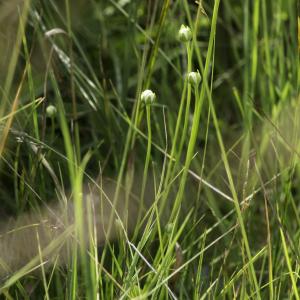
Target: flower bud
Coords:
[(194, 78), (169, 228), (185, 34), (148, 97), (51, 111)]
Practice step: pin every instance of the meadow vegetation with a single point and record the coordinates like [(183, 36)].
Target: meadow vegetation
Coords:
[(193, 107)]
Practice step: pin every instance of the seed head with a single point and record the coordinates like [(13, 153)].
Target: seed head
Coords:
[(51, 111), (194, 78), (148, 97), (185, 33), (169, 228)]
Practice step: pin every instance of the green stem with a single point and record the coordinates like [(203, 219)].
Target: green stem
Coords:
[(148, 157)]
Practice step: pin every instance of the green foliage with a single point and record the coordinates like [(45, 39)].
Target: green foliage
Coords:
[(222, 154)]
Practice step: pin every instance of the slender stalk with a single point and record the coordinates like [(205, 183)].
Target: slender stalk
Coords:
[(147, 161)]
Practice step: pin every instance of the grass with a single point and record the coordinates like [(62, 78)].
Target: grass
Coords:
[(214, 167)]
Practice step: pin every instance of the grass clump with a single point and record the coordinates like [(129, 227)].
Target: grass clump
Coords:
[(192, 196)]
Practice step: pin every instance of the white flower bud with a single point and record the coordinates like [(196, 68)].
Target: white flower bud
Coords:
[(51, 111), (185, 34), (194, 78), (148, 97)]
